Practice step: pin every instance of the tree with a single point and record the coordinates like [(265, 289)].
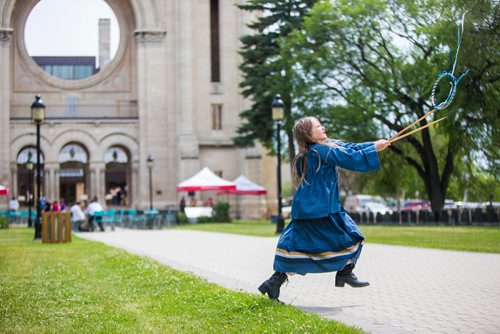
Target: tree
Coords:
[(265, 73), (370, 66)]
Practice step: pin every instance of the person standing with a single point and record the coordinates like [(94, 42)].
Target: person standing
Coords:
[(182, 205), (78, 217), (321, 237), (13, 204)]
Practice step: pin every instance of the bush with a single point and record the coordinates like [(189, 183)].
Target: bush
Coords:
[(4, 222), (182, 218), (220, 213), (204, 219)]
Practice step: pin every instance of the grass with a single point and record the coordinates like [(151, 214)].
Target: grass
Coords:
[(470, 238), (87, 287)]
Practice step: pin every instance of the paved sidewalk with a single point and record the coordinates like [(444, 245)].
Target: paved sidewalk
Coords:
[(413, 290)]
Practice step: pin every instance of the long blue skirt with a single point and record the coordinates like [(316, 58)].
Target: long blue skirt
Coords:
[(318, 245)]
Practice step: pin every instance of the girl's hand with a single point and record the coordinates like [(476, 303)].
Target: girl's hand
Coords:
[(382, 144)]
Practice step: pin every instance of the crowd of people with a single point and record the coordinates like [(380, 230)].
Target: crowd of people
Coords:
[(82, 213)]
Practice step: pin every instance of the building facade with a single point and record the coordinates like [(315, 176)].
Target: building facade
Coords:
[(170, 92)]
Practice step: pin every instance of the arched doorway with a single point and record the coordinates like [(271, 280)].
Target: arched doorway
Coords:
[(117, 176), (26, 185), (73, 162)]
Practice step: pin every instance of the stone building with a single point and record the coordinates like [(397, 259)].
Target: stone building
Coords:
[(170, 92)]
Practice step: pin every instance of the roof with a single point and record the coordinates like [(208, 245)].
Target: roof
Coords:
[(205, 180)]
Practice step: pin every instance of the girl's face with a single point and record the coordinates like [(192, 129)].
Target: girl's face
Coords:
[(318, 131)]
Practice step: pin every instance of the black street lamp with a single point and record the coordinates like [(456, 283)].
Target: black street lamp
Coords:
[(278, 108), (150, 163), (29, 167), (38, 116)]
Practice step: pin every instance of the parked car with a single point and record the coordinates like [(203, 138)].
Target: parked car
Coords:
[(365, 203), (375, 207), (416, 205)]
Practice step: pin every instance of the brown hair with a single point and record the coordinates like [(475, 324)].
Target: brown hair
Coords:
[(302, 133)]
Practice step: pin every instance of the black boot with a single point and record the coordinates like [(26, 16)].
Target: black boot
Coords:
[(346, 276), (272, 285)]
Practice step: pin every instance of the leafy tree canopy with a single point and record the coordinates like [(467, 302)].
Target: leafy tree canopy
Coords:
[(367, 67)]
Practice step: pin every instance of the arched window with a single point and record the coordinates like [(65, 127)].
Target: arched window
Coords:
[(115, 154), (73, 152), (28, 153)]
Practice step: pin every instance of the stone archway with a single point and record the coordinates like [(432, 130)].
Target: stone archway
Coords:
[(117, 176), (73, 173)]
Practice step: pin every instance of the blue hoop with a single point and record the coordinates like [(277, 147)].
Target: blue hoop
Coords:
[(449, 74)]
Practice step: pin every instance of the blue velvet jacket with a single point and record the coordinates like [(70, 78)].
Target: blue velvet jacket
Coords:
[(318, 194)]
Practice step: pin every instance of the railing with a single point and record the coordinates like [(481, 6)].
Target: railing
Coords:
[(466, 216)]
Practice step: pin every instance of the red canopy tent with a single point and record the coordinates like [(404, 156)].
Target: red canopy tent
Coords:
[(4, 191), (205, 180), (246, 187)]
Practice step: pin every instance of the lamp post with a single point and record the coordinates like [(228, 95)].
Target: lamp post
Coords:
[(38, 116), (150, 163), (29, 167), (278, 108)]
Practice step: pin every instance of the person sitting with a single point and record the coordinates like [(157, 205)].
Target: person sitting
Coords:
[(94, 207)]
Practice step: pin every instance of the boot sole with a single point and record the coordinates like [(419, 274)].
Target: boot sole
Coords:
[(342, 284)]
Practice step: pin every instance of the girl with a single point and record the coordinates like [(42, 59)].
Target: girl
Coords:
[(321, 236)]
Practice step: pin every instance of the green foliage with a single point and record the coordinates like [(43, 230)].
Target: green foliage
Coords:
[(4, 222), (204, 219), (265, 72), (220, 212), (182, 218), (366, 68), (87, 287)]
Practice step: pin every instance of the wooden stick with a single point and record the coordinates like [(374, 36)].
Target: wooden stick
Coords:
[(412, 124), (392, 140)]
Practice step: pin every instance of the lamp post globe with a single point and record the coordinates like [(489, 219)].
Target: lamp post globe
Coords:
[(278, 113), (150, 163), (38, 117)]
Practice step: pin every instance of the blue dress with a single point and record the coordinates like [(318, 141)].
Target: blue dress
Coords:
[(321, 236)]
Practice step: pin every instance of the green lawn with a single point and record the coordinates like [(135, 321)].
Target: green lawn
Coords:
[(87, 287), (469, 238)]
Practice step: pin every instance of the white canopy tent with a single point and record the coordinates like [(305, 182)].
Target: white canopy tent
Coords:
[(246, 187), (206, 180)]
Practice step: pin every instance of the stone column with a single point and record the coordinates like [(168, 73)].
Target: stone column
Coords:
[(92, 182), (102, 188), (134, 186), (13, 184), (153, 138), (50, 181), (187, 141), (5, 90), (57, 184), (97, 181)]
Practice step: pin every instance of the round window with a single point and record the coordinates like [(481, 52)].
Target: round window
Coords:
[(72, 39)]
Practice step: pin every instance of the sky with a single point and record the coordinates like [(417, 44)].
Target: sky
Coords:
[(68, 28)]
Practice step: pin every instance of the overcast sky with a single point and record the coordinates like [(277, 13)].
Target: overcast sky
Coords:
[(68, 28)]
